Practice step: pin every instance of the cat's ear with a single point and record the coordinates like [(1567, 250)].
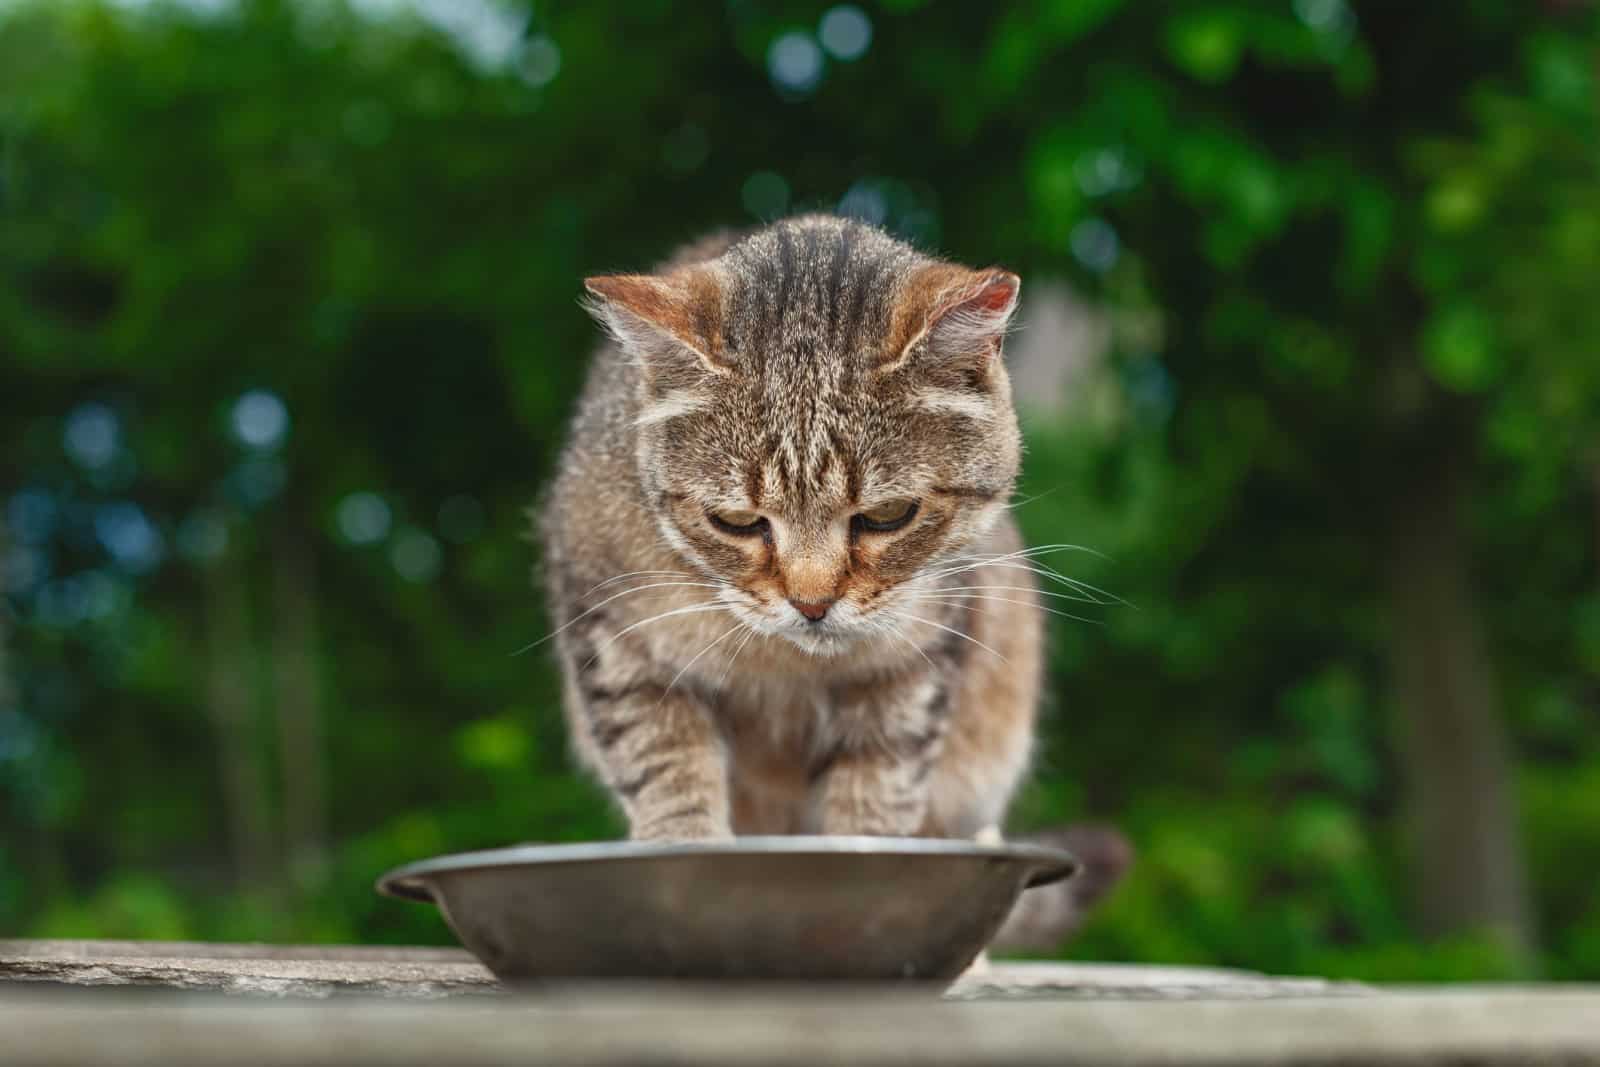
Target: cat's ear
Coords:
[(952, 313), (658, 316)]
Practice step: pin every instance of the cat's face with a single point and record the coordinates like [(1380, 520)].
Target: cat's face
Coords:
[(824, 420)]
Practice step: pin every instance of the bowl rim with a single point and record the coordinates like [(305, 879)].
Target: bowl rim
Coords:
[(410, 881)]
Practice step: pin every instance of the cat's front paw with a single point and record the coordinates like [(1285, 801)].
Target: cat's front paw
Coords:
[(682, 828)]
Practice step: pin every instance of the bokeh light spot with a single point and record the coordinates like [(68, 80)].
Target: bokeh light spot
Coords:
[(256, 481), (846, 32), (23, 569), (62, 603), (765, 195), (865, 200), (486, 32), (260, 420), (795, 63), (31, 516), (1095, 244), (415, 555), (93, 436), (1105, 171), (364, 518), (1325, 16), (539, 62), (129, 536), (103, 595), (16, 737)]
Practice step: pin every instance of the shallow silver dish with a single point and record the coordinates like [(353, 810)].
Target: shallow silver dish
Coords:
[(793, 908)]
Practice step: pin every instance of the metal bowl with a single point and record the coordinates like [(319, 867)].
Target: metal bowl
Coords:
[(793, 908)]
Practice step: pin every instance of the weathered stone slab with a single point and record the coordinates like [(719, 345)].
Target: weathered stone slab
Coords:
[(741, 1026), (266, 970), (1117, 981), (320, 971), (226, 950), (55, 1009)]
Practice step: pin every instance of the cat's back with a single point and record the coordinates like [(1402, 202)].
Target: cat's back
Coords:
[(599, 440)]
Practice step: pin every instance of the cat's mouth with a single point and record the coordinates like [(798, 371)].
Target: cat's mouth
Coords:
[(830, 636), (820, 641)]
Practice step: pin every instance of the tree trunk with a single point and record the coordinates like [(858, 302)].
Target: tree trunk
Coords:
[(300, 737), (1469, 875), (229, 670), (1594, 474), (8, 692)]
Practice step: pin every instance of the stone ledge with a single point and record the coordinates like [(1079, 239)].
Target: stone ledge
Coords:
[(426, 973), (100, 949), (263, 970), (1123, 981), (744, 1026), (359, 1005)]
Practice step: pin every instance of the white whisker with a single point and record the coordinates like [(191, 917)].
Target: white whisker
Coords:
[(948, 630), (1029, 555), (895, 631), (956, 597), (626, 592), (637, 574), (1076, 598), (734, 658), (1025, 501), (693, 609), (685, 668), (1096, 595)]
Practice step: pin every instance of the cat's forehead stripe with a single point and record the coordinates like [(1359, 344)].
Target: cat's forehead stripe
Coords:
[(786, 473), (841, 259), (827, 281)]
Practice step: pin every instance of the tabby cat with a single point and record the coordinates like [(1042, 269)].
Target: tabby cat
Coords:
[(789, 596)]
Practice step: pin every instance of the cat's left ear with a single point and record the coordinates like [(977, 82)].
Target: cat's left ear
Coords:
[(953, 313), (660, 317)]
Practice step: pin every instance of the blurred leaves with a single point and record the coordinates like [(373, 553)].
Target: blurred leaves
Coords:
[(1458, 346), (1325, 231)]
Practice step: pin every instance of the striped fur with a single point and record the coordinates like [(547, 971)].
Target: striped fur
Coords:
[(805, 372)]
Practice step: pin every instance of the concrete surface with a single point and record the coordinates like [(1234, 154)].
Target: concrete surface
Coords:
[(114, 1003), (429, 973)]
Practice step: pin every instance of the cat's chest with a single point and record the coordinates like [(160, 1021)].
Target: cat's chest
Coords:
[(772, 701), (775, 712), (777, 740)]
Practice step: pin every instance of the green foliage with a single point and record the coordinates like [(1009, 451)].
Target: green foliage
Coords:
[(1333, 238)]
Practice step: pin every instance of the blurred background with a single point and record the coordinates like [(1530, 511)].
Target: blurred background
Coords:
[(1310, 355)]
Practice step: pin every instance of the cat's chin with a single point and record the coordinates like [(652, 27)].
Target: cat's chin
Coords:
[(822, 643)]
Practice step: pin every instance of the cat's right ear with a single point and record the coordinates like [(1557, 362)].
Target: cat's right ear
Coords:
[(952, 313), (656, 317)]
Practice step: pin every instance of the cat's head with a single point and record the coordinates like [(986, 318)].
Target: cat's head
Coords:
[(824, 417)]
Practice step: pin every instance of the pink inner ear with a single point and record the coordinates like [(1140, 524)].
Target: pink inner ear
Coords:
[(996, 294)]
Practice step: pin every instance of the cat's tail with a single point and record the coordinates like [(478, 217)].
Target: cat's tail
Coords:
[(1045, 917)]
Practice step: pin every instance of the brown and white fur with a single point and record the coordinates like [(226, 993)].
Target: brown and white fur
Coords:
[(800, 376)]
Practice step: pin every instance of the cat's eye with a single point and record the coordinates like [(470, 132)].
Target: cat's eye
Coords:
[(887, 517), (739, 523)]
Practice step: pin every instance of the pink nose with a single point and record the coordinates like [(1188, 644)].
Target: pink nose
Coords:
[(812, 609)]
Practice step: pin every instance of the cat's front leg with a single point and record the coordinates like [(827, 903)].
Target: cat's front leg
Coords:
[(888, 734), (659, 752), (674, 783)]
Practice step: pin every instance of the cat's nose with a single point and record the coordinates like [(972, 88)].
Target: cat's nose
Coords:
[(813, 610)]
